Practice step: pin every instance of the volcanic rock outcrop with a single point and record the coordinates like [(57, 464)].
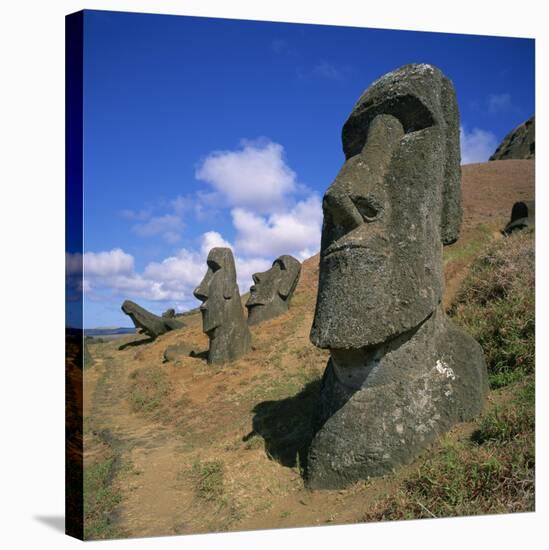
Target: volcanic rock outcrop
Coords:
[(523, 215), (400, 371), (223, 317), (520, 143), (273, 290), (148, 322)]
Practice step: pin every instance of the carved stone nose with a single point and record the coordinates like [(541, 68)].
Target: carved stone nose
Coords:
[(200, 294), (340, 207)]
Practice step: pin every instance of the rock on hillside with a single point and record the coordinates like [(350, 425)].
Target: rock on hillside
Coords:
[(519, 143)]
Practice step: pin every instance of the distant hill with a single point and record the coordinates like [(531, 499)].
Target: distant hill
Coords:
[(520, 143), (108, 331)]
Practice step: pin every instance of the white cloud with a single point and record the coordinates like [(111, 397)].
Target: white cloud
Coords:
[(476, 145), (179, 273), (255, 176), (296, 231), (258, 186), (212, 239), (498, 103), (326, 70), (246, 267), (169, 227), (101, 264), (141, 215)]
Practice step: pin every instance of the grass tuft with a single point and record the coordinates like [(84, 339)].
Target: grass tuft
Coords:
[(148, 389), (100, 500), (209, 479)]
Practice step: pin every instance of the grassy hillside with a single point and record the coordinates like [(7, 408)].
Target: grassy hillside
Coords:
[(183, 447)]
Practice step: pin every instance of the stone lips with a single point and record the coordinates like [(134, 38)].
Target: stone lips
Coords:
[(222, 314), (148, 322), (400, 372), (273, 290)]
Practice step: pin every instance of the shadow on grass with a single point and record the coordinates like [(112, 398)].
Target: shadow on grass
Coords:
[(135, 343), (287, 426)]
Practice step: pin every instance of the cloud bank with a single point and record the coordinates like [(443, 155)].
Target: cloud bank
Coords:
[(271, 213), (476, 145)]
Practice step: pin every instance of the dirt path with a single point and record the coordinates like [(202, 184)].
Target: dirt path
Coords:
[(153, 503)]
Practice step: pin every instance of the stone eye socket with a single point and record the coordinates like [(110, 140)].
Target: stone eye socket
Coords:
[(213, 266), (369, 208)]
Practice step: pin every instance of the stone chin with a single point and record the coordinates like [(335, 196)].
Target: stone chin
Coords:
[(366, 298), (255, 300), (209, 323)]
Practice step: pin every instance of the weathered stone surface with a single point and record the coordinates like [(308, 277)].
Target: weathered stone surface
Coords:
[(400, 372), (273, 290), (148, 322), (520, 143), (523, 215), (169, 313), (222, 313), (175, 352)]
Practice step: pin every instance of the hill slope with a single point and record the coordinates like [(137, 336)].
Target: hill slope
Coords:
[(200, 449), (519, 143)]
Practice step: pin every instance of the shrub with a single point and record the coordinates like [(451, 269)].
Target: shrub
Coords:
[(496, 306)]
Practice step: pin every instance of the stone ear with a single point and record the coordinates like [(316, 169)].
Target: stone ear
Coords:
[(287, 284), (229, 277), (290, 276), (450, 221)]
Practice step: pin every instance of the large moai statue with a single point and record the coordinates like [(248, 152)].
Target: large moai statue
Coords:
[(152, 325), (273, 290), (400, 372), (223, 317)]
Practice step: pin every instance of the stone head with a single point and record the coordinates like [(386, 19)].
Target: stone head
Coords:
[(134, 311), (273, 289), (218, 290), (395, 202)]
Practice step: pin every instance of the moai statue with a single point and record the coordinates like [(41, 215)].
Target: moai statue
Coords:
[(400, 372), (222, 313), (523, 215), (273, 289), (148, 322), (169, 313)]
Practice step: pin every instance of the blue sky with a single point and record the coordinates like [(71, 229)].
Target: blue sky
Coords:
[(201, 132)]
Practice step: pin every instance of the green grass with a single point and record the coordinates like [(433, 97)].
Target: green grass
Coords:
[(496, 306), (492, 471), (149, 388), (100, 500), (471, 248), (209, 479)]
